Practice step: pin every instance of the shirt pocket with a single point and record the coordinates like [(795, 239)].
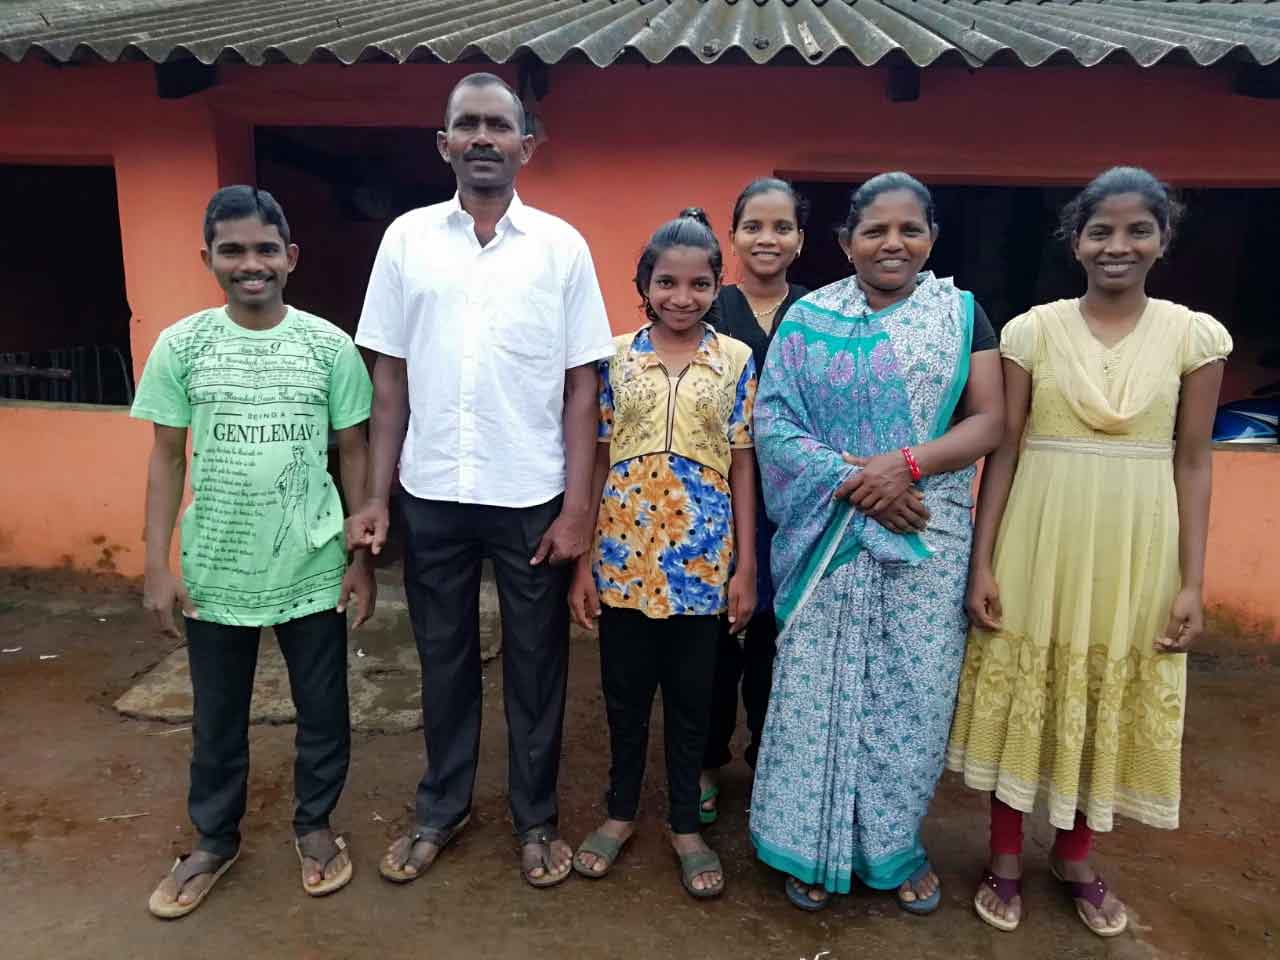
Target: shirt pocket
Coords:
[(528, 323)]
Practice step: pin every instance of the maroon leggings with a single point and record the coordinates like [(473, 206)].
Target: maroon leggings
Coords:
[(1006, 834)]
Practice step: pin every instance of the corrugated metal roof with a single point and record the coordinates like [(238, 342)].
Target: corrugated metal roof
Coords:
[(972, 32)]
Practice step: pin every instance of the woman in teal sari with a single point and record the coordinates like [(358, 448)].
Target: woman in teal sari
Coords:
[(879, 394)]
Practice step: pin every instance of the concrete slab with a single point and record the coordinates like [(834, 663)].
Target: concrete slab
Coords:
[(384, 677)]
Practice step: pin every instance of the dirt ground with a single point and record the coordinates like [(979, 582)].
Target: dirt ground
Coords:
[(74, 885)]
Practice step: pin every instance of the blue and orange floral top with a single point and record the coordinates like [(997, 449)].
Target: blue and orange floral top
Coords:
[(664, 540)]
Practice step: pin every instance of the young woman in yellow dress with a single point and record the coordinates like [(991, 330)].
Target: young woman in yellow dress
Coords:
[(1087, 567)]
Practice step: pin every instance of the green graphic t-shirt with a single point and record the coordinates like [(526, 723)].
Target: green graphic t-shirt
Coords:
[(262, 539)]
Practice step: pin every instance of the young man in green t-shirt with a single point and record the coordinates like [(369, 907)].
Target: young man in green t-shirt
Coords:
[(260, 385)]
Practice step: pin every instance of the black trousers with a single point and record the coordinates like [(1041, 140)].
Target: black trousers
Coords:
[(752, 664), (445, 544), (223, 661), (637, 656)]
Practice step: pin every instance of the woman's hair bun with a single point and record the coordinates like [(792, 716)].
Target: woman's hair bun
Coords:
[(695, 213)]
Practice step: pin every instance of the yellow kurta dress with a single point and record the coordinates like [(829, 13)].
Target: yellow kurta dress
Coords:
[(1069, 699)]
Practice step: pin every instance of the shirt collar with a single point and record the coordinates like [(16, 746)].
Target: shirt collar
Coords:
[(709, 352), (516, 216)]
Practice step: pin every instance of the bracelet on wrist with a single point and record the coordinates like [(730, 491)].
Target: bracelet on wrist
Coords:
[(912, 465)]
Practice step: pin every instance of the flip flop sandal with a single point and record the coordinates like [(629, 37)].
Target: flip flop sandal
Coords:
[(708, 816), (800, 898), (184, 871), (322, 847), (1094, 892), (434, 836), (694, 864), (922, 906), (1006, 888), (543, 836), (604, 848)]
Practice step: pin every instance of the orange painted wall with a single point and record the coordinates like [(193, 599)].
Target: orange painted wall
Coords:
[(627, 148)]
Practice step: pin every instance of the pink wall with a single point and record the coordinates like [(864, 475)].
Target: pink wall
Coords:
[(628, 147)]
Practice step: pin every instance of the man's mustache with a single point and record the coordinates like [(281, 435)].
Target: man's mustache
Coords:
[(482, 155)]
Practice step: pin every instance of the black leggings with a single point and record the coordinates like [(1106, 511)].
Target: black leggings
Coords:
[(637, 655)]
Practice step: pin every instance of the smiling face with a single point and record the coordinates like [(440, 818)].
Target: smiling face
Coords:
[(483, 143), (1119, 243), (768, 239), (891, 242), (251, 262), (682, 288)]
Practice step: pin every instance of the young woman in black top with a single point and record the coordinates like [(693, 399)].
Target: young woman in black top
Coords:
[(767, 235)]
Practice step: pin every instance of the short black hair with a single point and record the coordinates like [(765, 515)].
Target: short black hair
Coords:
[(883, 183), (487, 80), (769, 185), (690, 228), (241, 201), (1166, 210)]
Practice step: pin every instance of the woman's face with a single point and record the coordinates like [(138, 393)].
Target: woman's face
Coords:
[(1119, 243), (682, 288), (891, 242), (768, 239)]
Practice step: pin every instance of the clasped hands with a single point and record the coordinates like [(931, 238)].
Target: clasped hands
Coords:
[(882, 489)]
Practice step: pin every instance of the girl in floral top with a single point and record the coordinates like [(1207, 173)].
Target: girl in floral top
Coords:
[(675, 538)]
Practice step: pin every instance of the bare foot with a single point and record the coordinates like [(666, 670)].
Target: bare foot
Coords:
[(559, 855), (687, 843), (618, 830), (405, 856), (815, 893), (185, 894), (1112, 913), (922, 889), (315, 873), (1002, 865)]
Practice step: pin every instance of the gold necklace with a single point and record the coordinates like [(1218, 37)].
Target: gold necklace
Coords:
[(772, 308)]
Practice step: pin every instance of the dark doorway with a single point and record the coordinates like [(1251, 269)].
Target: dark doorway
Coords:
[(64, 333), (999, 242), (340, 188)]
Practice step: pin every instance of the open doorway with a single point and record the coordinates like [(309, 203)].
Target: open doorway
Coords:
[(999, 242), (340, 188)]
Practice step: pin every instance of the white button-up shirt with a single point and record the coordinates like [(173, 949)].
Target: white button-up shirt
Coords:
[(487, 334)]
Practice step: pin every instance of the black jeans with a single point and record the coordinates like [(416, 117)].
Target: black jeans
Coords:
[(445, 545), (637, 656), (223, 661), (752, 663)]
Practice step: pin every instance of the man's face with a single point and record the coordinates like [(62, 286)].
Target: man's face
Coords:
[(250, 261), (483, 143)]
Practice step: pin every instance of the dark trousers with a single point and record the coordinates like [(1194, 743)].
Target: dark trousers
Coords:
[(752, 664), (223, 661), (445, 544), (637, 656)]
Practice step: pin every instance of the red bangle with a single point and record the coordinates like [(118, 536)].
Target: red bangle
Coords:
[(914, 467)]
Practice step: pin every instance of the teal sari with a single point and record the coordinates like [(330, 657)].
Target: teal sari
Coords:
[(871, 622)]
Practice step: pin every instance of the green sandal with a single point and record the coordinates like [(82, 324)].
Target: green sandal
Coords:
[(604, 848), (693, 864), (705, 815)]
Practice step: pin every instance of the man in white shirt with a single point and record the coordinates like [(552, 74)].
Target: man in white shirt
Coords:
[(488, 322)]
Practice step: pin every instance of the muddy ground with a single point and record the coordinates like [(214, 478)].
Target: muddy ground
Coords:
[(73, 885)]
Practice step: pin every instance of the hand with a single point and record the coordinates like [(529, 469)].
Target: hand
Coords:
[(367, 527), (1186, 623), (566, 539), (358, 583), (882, 479), (742, 599), (584, 599), (982, 602), (160, 589), (907, 514)]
